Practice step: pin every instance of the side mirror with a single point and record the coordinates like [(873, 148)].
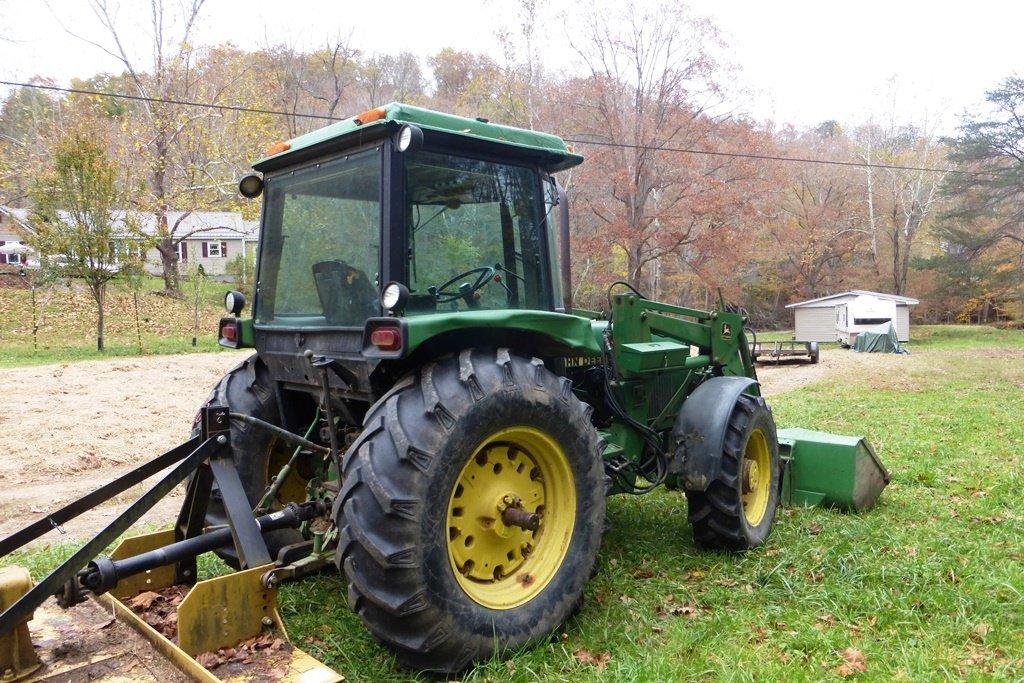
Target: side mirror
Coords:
[(234, 302)]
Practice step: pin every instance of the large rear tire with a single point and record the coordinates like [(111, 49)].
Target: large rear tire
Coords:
[(435, 572), (258, 455), (737, 510)]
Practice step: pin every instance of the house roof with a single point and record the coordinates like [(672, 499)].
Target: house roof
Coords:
[(209, 224), (205, 224), (836, 298)]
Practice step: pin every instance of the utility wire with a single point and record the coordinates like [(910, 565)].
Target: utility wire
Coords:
[(181, 103), (769, 157), (575, 141)]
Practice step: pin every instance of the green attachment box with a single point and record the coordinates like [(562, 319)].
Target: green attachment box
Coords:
[(830, 470)]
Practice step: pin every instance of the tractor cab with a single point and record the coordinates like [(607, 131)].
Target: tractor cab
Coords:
[(442, 214)]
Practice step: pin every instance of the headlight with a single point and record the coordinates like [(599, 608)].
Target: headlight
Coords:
[(409, 138), (234, 302), (394, 296)]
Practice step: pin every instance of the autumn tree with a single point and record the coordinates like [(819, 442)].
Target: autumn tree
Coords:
[(75, 224), (650, 84), (819, 225)]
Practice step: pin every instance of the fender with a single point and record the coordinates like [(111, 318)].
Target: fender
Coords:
[(699, 432)]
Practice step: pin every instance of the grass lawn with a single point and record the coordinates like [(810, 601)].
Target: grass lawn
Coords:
[(928, 585), (67, 330)]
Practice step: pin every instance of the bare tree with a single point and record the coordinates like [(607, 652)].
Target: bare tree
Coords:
[(167, 73)]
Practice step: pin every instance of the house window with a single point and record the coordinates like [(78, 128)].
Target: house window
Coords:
[(215, 249), (183, 251), (13, 259)]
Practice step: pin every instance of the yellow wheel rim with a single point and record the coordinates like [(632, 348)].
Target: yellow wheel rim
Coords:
[(503, 565), (756, 477)]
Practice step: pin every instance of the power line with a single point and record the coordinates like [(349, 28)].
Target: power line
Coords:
[(769, 157), (180, 103), (575, 141)]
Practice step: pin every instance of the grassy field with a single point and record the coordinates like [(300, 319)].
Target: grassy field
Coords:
[(67, 328), (928, 585)]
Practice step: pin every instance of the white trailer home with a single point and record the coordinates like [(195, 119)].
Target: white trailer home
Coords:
[(817, 319), (860, 314)]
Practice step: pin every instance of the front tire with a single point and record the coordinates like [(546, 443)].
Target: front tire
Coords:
[(434, 571), (737, 510)]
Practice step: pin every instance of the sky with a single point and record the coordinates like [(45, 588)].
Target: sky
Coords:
[(796, 61)]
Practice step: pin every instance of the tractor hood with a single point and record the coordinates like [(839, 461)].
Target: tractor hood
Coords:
[(549, 151)]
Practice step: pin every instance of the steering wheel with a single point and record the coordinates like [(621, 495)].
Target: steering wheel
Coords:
[(484, 275)]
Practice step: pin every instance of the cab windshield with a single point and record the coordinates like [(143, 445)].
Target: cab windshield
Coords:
[(473, 229), (320, 247)]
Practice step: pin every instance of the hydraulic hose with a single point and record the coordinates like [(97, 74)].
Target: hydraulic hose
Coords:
[(284, 434)]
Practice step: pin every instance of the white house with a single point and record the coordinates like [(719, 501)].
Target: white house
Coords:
[(212, 238), (11, 239), (816, 319)]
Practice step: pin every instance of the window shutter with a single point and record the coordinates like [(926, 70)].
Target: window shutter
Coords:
[(223, 249), (184, 251), (205, 250)]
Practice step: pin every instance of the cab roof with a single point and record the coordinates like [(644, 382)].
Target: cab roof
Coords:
[(550, 151)]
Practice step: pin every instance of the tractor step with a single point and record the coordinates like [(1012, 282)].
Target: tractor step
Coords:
[(830, 470)]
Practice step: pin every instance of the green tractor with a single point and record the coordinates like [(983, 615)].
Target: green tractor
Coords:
[(427, 410), (412, 308)]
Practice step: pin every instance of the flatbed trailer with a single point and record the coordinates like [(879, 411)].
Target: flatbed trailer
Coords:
[(782, 351)]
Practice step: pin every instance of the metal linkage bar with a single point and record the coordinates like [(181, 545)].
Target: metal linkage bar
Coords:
[(100, 495), (103, 574), (20, 610), (249, 544)]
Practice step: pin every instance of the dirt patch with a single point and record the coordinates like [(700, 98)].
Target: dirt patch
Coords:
[(834, 363), (83, 424), (88, 644), (67, 429)]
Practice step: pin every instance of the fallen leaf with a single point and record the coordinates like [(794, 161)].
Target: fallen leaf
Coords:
[(853, 662), (815, 529), (982, 629), (145, 600), (687, 610), (973, 660), (598, 661), (210, 660)]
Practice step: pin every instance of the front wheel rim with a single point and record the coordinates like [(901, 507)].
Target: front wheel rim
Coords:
[(499, 565), (756, 477)]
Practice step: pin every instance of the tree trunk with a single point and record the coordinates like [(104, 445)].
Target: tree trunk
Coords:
[(138, 325), (169, 263), (99, 293), (166, 246)]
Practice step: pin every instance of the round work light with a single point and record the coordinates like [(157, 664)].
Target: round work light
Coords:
[(409, 138), (394, 296), (234, 302)]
